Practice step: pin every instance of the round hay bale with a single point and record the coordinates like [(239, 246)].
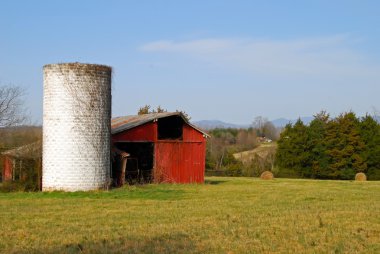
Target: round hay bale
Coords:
[(360, 177), (266, 175)]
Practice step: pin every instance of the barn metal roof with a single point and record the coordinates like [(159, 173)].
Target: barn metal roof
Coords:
[(30, 151), (122, 123)]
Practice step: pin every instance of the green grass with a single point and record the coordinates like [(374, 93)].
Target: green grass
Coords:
[(225, 215)]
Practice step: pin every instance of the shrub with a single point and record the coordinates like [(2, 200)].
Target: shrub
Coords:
[(9, 186)]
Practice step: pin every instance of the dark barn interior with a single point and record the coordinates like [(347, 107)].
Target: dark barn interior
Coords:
[(170, 128), (140, 161)]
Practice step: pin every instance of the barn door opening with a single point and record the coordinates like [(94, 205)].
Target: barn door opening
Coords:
[(139, 162)]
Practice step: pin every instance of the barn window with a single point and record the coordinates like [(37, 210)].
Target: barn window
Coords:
[(170, 127)]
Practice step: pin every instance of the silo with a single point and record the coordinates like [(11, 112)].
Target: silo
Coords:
[(76, 126)]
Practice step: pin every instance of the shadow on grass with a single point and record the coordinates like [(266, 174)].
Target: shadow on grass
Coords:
[(173, 243), (215, 182), (153, 192)]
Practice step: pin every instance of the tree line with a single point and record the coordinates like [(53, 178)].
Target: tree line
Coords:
[(225, 142), (330, 148), (221, 146)]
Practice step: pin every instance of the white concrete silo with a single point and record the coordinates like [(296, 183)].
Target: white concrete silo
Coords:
[(76, 126)]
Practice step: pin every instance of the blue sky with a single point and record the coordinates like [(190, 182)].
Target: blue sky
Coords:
[(226, 60)]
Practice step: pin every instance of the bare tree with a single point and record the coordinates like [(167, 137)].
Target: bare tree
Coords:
[(246, 139), (265, 128), (376, 113), (11, 106), (270, 131), (271, 156), (259, 124)]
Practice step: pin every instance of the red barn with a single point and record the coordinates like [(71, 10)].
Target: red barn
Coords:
[(21, 162), (162, 147)]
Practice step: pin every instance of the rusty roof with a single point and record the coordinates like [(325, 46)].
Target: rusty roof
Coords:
[(122, 123), (30, 151)]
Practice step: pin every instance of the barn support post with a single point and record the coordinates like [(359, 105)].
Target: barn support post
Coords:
[(13, 169), (121, 165)]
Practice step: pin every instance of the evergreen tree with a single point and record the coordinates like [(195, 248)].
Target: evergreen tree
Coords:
[(344, 147), (316, 145), (370, 134), (292, 152), (284, 155)]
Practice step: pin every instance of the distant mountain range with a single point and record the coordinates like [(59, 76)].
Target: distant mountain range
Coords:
[(212, 124), (279, 123)]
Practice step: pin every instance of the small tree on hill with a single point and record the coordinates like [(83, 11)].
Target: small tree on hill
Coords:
[(147, 110), (144, 110)]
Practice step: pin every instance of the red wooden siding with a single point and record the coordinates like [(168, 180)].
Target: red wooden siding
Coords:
[(146, 132), (191, 134), (175, 161), (179, 162), (7, 169)]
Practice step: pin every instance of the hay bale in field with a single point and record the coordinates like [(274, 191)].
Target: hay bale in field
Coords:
[(360, 177), (267, 175)]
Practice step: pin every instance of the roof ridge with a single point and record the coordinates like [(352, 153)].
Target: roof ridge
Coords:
[(122, 123)]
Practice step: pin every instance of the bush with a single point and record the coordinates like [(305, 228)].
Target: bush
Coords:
[(9, 186), (373, 174)]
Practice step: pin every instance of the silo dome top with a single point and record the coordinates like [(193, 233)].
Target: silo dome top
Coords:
[(79, 66)]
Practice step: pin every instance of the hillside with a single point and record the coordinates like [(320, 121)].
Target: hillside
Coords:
[(262, 151), (212, 124)]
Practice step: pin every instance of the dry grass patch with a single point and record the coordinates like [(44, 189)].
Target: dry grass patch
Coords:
[(261, 151)]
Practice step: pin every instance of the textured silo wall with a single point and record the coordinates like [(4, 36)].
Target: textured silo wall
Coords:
[(76, 126)]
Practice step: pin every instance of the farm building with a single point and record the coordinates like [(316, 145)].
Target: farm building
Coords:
[(22, 162), (161, 147)]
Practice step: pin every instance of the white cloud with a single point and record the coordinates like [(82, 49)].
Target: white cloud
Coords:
[(205, 45), (332, 57)]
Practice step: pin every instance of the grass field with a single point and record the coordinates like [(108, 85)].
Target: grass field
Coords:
[(225, 215)]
